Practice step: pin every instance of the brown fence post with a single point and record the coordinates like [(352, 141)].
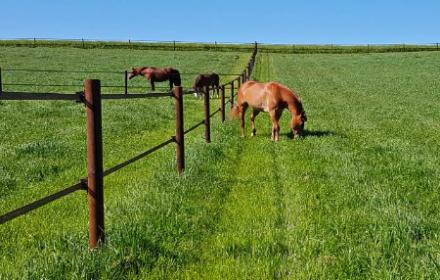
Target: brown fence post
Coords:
[(126, 82), (1, 85), (207, 118), (180, 137), (239, 82), (222, 103), (232, 94), (174, 45), (95, 190)]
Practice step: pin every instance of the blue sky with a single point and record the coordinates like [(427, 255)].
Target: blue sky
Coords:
[(299, 22)]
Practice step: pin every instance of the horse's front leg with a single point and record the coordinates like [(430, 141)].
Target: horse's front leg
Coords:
[(171, 84), (253, 115), (152, 85), (275, 117)]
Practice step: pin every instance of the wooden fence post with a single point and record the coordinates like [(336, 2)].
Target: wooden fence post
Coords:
[(95, 182), (207, 118), (222, 103), (174, 45), (232, 94), (1, 85), (239, 81), (180, 137), (126, 82)]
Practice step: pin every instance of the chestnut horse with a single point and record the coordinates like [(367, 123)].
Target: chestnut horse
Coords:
[(154, 74), (206, 80), (273, 98)]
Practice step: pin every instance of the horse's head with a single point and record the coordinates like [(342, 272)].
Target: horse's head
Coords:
[(298, 121), (134, 72)]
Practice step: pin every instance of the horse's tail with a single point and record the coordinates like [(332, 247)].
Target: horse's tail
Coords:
[(235, 111)]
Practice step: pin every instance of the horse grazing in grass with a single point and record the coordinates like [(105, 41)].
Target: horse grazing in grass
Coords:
[(154, 74), (273, 98), (206, 80)]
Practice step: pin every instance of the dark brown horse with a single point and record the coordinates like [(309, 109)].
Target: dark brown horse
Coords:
[(154, 74), (273, 98), (206, 80)]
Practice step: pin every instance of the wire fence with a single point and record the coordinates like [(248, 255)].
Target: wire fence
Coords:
[(6, 85), (179, 45), (93, 184)]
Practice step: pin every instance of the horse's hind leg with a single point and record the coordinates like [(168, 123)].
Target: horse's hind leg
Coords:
[(253, 115), (152, 85), (242, 114), (171, 84)]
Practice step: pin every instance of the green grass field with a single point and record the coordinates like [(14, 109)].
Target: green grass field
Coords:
[(357, 198)]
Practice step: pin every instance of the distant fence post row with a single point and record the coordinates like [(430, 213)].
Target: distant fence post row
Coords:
[(94, 184)]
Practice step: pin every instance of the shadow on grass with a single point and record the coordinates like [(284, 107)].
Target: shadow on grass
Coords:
[(318, 133), (306, 133), (312, 133)]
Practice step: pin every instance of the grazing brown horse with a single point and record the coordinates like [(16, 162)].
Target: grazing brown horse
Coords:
[(273, 98), (154, 74), (206, 80)]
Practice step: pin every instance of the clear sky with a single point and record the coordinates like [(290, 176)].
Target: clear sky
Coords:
[(273, 21)]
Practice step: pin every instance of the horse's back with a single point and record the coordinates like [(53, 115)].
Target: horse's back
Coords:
[(253, 94), (265, 96)]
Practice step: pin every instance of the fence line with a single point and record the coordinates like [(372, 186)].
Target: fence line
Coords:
[(138, 157), (125, 86), (173, 45), (92, 97), (92, 71)]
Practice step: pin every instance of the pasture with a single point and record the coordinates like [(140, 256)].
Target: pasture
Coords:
[(357, 198)]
